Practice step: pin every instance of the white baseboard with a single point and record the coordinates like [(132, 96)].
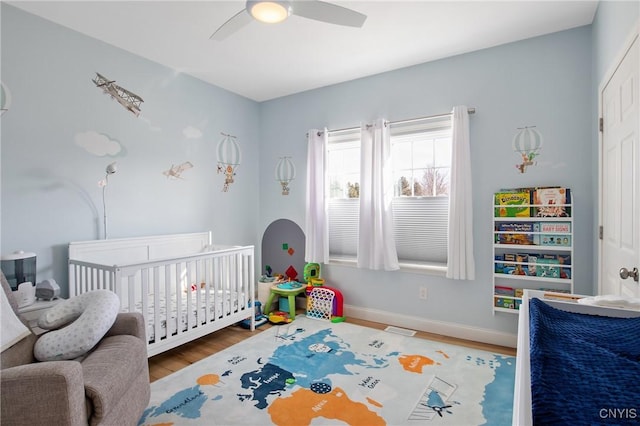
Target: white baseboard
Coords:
[(437, 327)]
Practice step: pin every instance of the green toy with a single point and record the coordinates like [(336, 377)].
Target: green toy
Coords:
[(311, 271)]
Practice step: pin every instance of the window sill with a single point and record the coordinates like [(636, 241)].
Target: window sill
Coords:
[(416, 268)]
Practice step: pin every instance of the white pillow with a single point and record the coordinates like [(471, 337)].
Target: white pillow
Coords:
[(13, 330), (92, 313), (612, 300)]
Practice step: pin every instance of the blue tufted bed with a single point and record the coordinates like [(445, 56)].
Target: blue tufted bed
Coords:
[(576, 363)]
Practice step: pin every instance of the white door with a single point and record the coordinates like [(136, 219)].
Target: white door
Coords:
[(621, 178)]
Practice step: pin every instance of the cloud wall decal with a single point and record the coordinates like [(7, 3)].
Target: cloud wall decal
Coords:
[(191, 132), (98, 144)]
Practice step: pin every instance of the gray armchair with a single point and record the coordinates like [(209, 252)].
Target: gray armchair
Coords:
[(110, 386)]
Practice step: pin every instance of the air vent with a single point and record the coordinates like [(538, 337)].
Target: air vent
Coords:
[(398, 330)]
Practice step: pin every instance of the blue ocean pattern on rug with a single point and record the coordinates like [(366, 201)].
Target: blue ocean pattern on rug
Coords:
[(497, 410), (315, 372)]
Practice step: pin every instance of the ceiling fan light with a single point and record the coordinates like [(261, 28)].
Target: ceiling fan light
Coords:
[(270, 12)]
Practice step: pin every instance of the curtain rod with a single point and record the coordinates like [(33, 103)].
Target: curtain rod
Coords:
[(469, 111)]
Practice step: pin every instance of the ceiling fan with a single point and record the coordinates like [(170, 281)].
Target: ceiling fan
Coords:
[(275, 11)]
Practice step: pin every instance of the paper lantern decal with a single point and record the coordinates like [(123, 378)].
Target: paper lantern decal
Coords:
[(285, 173), (228, 159), (527, 142)]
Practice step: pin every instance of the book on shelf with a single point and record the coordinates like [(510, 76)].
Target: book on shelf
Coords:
[(513, 203), (533, 233), (548, 268), (563, 259), (555, 240), (517, 226), (552, 202), (555, 227), (507, 303), (526, 264)]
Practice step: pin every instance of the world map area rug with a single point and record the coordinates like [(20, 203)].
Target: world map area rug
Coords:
[(314, 372)]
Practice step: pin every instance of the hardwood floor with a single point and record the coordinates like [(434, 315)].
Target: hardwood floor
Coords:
[(171, 361)]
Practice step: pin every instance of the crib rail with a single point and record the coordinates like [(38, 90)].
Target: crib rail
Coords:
[(181, 298)]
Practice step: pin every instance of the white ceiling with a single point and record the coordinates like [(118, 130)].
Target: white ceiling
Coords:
[(263, 61)]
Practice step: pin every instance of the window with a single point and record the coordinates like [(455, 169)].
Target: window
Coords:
[(343, 166), (421, 158)]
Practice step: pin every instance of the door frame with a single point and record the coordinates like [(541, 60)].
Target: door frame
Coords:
[(635, 33)]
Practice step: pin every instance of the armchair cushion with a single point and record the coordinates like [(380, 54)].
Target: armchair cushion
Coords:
[(92, 313), (104, 384), (48, 393)]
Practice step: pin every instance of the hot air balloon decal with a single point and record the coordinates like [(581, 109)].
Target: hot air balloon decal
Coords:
[(527, 142), (285, 173), (228, 158), (5, 98)]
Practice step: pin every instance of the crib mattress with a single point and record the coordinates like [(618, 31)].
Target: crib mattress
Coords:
[(221, 303)]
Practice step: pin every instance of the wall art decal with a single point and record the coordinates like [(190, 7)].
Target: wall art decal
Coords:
[(285, 173), (527, 142), (228, 153), (175, 172), (191, 132), (127, 99), (98, 144), (5, 98)]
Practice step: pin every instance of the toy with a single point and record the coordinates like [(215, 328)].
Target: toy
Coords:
[(260, 319), (311, 271), (325, 303), (289, 285), (279, 318)]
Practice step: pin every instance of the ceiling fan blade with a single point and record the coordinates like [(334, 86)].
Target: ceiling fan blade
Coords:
[(236, 22), (327, 12)]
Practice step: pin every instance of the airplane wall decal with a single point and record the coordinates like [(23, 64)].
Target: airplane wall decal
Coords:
[(175, 172), (127, 99)]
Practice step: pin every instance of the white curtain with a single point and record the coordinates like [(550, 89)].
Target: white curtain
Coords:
[(376, 246), (460, 263), (316, 220)]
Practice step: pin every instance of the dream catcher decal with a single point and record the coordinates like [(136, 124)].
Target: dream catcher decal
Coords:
[(228, 159), (285, 173), (527, 142)]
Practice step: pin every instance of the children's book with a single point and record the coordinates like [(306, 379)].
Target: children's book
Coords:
[(514, 203), (552, 202)]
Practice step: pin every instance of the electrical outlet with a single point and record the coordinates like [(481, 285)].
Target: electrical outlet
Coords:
[(423, 293)]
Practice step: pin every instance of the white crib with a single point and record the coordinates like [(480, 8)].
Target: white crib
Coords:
[(183, 285)]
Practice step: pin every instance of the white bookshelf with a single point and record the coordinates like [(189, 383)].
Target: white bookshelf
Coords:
[(531, 252)]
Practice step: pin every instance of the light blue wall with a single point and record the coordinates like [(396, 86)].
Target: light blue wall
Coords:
[(545, 81), (612, 26), (50, 194)]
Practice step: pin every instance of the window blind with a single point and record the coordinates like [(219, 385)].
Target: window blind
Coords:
[(420, 226)]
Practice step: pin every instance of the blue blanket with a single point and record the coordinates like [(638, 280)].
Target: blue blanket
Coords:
[(585, 369)]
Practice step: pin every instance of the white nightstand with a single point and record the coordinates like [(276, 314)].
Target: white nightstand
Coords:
[(32, 312)]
